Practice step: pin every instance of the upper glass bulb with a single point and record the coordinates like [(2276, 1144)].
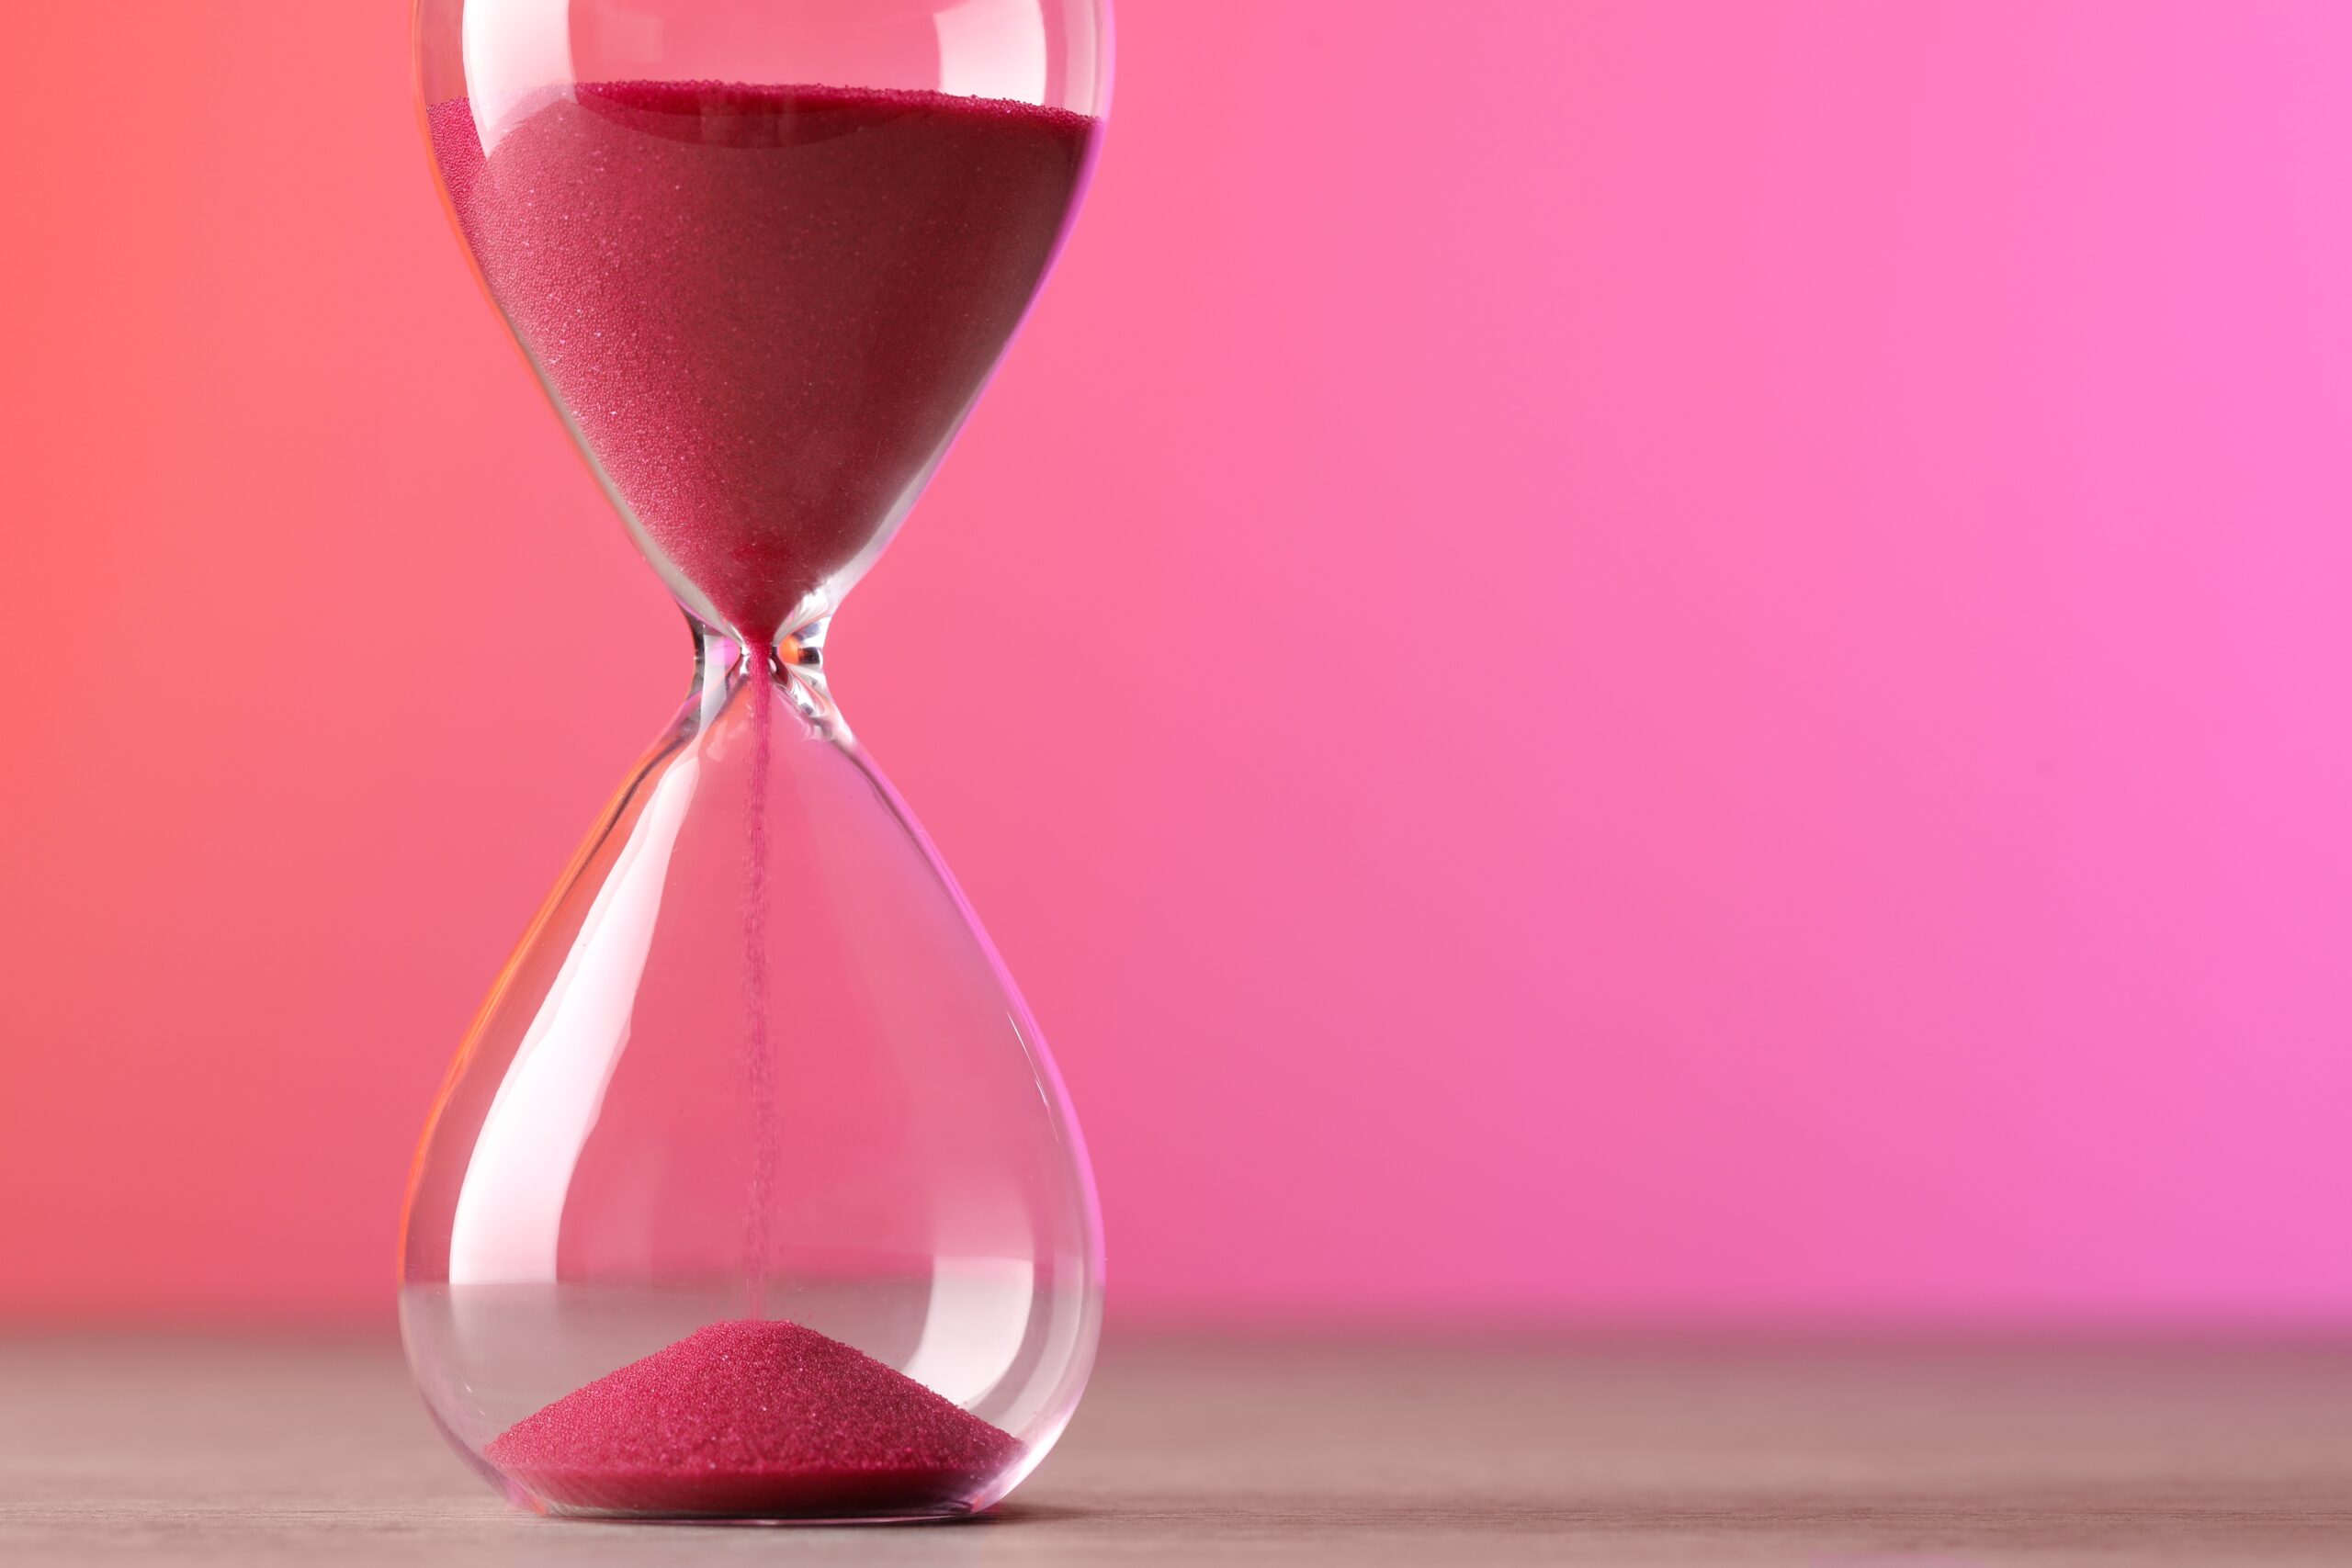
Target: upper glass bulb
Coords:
[(763, 253)]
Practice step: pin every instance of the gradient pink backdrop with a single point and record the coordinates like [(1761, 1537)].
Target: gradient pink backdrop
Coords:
[(1598, 660)]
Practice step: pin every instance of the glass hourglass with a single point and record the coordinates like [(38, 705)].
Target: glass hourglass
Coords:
[(752, 1192)]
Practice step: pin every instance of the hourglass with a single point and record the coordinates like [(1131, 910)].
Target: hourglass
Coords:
[(752, 1192)]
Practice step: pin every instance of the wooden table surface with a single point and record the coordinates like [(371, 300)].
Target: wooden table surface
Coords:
[(242, 1452)]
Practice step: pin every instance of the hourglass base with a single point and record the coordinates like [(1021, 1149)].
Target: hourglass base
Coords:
[(742, 1498), (820, 1504)]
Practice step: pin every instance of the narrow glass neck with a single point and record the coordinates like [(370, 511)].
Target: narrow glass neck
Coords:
[(794, 664)]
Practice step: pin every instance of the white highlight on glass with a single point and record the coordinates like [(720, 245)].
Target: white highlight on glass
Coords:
[(993, 48), (979, 1319), (513, 49), (510, 1210)]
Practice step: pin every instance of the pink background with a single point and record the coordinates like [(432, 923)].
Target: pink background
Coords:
[(1649, 661)]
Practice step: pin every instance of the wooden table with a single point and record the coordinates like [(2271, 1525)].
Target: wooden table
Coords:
[(1191, 1454)]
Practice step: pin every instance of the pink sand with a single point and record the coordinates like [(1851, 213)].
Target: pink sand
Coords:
[(755, 1419), (766, 309)]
